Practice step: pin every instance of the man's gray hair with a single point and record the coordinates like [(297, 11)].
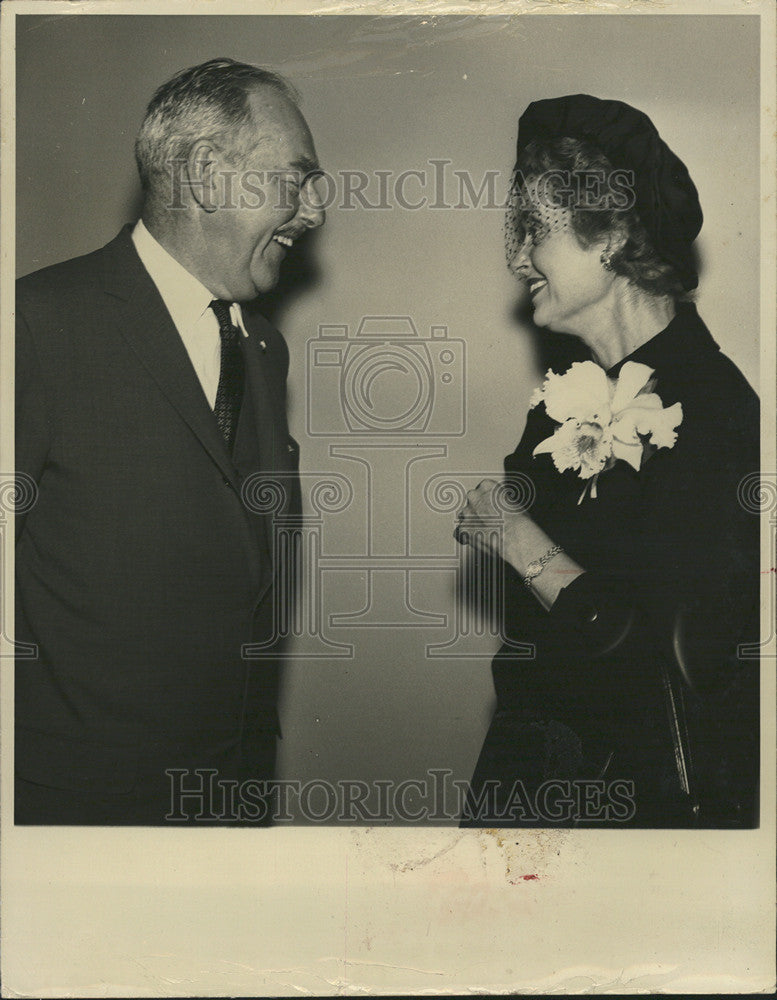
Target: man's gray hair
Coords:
[(208, 101)]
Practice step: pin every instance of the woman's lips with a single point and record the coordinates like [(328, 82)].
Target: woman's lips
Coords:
[(536, 285)]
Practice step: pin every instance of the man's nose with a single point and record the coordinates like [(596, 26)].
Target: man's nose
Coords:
[(312, 212)]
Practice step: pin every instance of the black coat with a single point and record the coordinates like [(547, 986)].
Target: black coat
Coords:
[(635, 676), (140, 570)]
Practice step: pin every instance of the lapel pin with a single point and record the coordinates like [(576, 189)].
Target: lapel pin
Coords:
[(263, 345)]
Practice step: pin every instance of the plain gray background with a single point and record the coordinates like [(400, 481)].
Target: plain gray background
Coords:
[(390, 94)]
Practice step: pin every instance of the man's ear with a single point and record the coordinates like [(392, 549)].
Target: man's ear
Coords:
[(202, 175)]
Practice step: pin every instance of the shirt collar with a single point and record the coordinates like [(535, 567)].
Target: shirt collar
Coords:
[(186, 298)]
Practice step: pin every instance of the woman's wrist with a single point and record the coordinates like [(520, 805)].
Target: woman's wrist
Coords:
[(525, 544)]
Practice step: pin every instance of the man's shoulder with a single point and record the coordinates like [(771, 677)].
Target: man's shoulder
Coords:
[(69, 278)]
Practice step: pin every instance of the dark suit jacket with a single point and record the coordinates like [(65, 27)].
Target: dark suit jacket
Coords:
[(140, 570)]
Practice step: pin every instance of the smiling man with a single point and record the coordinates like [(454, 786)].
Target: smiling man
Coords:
[(146, 396)]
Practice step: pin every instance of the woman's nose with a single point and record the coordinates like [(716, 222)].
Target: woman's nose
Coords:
[(520, 263)]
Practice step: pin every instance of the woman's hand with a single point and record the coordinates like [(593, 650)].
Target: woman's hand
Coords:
[(487, 524), (484, 523)]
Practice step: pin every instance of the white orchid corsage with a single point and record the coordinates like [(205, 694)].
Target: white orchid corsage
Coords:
[(602, 419)]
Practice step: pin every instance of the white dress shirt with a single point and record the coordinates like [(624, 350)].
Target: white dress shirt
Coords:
[(188, 302)]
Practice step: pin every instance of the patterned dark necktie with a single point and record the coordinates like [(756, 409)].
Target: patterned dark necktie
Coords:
[(229, 395)]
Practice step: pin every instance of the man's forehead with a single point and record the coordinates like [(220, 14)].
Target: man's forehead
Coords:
[(283, 130)]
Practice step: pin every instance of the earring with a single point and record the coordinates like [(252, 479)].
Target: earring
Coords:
[(606, 259)]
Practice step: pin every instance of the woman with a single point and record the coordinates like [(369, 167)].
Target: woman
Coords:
[(633, 572)]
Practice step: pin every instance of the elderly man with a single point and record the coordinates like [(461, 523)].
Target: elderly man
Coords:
[(145, 398)]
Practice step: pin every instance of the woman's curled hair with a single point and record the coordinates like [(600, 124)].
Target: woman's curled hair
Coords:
[(572, 170)]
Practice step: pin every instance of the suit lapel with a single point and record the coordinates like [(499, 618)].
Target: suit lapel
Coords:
[(148, 328), (271, 427), (151, 333), (269, 403)]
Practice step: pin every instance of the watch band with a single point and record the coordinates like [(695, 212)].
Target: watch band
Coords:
[(535, 567)]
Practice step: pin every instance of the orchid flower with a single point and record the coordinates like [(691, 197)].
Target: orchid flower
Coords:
[(601, 420)]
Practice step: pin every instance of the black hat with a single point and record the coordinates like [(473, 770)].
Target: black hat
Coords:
[(665, 196)]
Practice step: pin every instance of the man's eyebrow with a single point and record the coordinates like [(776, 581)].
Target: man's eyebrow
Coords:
[(306, 165)]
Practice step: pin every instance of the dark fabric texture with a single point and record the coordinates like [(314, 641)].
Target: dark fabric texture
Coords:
[(140, 570), (666, 198), (671, 590)]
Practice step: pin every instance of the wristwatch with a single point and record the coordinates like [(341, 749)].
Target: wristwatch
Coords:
[(534, 568)]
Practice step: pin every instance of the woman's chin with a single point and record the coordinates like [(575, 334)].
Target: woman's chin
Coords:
[(542, 318), (545, 319)]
